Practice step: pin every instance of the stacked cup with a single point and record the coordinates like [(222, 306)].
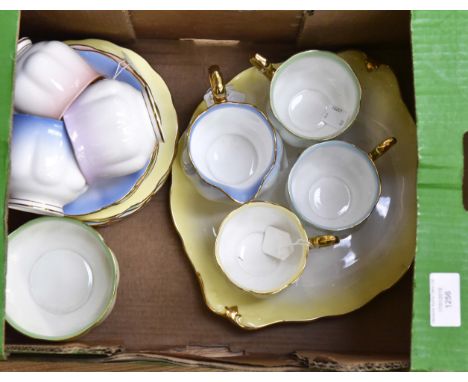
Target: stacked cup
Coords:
[(72, 128)]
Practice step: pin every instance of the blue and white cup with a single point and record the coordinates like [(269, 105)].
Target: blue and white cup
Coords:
[(44, 174), (231, 150), (314, 96)]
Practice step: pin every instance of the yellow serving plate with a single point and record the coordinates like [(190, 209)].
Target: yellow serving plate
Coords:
[(155, 178), (339, 279)]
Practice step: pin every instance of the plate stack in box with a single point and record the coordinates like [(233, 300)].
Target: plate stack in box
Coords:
[(93, 139), (94, 131)]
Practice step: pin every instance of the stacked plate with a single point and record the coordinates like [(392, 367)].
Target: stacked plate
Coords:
[(94, 136), (114, 193)]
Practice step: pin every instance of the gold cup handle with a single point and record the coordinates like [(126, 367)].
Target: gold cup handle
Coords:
[(382, 148), (262, 64), (217, 84), (323, 241)]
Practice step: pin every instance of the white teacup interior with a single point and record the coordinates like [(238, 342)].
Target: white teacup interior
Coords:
[(60, 278), (334, 185), (315, 95), (232, 146), (240, 242)]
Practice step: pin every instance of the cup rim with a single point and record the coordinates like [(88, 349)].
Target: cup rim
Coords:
[(333, 56), (356, 150), (273, 161), (293, 218), (115, 277), (34, 206), (23, 44)]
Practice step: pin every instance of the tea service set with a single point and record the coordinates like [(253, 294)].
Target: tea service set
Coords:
[(81, 129), (234, 153)]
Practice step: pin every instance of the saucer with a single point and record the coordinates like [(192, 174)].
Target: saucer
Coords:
[(110, 191), (338, 279), (166, 120), (62, 279)]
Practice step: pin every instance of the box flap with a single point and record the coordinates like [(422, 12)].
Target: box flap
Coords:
[(8, 37), (325, 29), (440, 327), (62, 25), (218, 25)]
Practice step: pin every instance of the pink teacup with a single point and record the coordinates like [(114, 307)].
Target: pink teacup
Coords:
[(49, 76)]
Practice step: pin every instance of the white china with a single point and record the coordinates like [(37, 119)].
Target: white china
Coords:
[(338, 279), (44, 175), (232, 151), (158, 170), (111, 130), (49, 75), (239, 251), (258, 261), (62, 279), (334, 186), (314, 96)]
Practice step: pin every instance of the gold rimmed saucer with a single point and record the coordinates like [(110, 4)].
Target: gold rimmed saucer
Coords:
[(166, 122), (336, 280), (153, 111)]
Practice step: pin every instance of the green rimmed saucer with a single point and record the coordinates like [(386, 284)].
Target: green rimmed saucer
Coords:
[(62, 279)]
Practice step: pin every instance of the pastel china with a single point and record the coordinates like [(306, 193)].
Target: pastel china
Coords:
[(106, 192), (335, 185), (111, 130), (62, 279), (337, 279), (44, 175), (109, 66), (232, 151), (49, 75), (158, 170), (240, 247), (314, 96)]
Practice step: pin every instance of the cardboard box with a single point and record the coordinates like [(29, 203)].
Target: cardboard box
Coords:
[(440, 312), (159, 313)]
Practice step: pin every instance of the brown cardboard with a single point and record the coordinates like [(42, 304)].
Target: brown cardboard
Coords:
[(240, 25), (115, 25), (349, 28), (159, 313)]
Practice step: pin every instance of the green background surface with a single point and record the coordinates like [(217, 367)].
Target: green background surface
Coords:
[(440, 59), (8, 36)]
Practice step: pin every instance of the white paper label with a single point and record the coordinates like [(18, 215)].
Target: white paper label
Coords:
[(334, 116), (231, 95), (445, 299), (277, 243)]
